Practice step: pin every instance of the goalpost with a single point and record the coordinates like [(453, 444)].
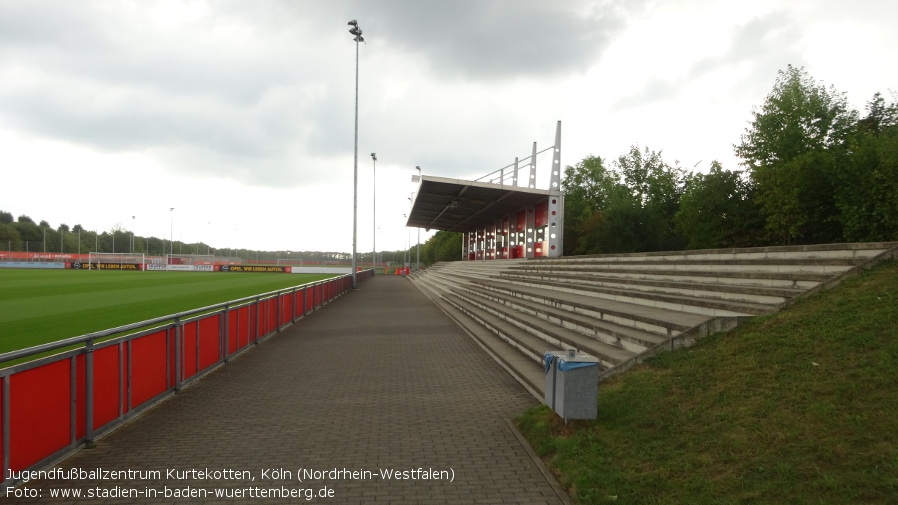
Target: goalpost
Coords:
[(115, 261)]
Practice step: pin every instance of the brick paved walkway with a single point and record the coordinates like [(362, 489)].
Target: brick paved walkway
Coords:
[(378, 380)]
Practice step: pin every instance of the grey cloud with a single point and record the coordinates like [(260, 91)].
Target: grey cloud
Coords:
[(114, 86), (765, 44), (96, 75), (499, 39)]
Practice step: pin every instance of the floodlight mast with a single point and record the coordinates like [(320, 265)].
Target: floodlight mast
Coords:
[(171, 229), (355, 30), (374, 216)]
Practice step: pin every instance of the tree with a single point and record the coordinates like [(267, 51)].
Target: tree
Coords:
[(880, 116), (615, 228), (656, 188), (792, 149), (587, 186), (625, 209), (5, 217), (867, 190), (442, 246), (28, 231), (9, 237), (717, 211)]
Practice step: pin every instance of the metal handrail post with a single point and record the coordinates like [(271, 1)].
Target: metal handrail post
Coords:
[(178, 343), (258, 322), (227, 334), (89, 394)]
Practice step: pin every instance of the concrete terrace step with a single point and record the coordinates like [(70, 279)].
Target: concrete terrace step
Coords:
[(555, 328), (525, 327), (624, 336), (531, 345), (710, 307), (818, 251), (653, 319), (783, 268), (514, 357), (760, 294), (681, 300), (793, 280), (625, 307)]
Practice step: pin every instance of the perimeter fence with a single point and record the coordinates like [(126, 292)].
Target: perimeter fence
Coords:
[(51, 406)]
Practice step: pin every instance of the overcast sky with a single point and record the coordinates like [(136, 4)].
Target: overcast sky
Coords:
[(240, 114)]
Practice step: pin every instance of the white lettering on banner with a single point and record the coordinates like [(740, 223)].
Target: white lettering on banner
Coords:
[(183, 268)]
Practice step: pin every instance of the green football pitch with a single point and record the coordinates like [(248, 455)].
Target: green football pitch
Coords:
[(39, 306)]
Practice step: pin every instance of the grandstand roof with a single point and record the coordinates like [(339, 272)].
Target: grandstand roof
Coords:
[(459, 205)]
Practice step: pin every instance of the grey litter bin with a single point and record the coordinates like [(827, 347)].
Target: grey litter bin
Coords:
[(572, 384)]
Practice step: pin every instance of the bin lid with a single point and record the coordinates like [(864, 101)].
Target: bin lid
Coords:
[(569, 360), (577, 357)]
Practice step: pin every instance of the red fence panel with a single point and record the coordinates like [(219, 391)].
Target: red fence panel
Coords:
[(243, 327), (233, 332), (40, 412), (287, 307), (189, 351), (273, 311), (48, 403), (149, 367), (210, 350), (107, 385), (262, 313)]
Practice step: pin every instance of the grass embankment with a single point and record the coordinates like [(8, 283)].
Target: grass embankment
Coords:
[(796, 407), (38, 306)]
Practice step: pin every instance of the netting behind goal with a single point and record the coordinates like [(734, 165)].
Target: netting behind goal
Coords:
[(115, 261), (190, 262), (190, 259)]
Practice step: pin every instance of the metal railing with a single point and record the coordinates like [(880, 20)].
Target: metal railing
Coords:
[(53, 405), (508, 175)]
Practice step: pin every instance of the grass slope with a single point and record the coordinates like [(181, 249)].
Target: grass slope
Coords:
[(798, 407), (38, 306)]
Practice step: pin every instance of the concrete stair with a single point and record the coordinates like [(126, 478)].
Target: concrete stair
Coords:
[(624, 308)]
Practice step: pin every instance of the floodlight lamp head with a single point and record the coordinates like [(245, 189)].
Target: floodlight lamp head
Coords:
[(355, 31), (374, 156), (353, 23)]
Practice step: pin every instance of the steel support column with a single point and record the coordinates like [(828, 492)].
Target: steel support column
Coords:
[(556, 203)]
